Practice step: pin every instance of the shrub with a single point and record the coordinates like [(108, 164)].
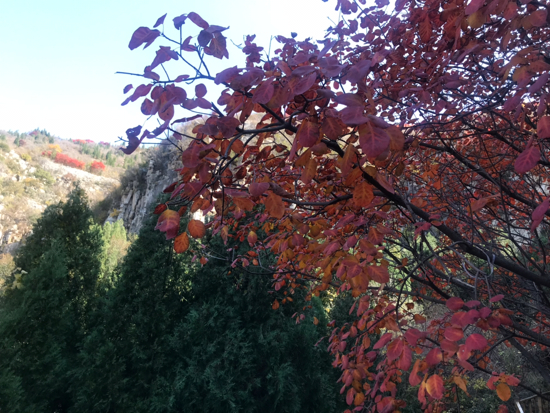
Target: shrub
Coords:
[(55, 148), (44, 176), (26, 157), (68, 161), (4, 147), (97, 167)]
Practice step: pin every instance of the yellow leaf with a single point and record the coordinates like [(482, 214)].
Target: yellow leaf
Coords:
[(460, 382), (503, 392), (181, 243)]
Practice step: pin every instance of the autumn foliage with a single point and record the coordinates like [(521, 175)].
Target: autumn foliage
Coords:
[(68, 161), (403, 158), (97, 167)]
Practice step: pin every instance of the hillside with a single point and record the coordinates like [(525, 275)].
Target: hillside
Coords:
[(38, 169)]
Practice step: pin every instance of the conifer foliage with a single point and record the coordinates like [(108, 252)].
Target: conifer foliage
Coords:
[(83, 331), (44, 319)]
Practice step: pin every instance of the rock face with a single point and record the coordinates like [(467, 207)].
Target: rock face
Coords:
[(142, 192)]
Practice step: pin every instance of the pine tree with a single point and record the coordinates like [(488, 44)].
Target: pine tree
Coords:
[(176, 336), (44, 315)]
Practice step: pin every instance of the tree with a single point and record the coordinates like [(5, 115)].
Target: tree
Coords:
[(173, 336), (403, 158), (45, 311)]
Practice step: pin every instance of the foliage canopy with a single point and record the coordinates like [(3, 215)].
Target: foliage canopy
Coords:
[(402, 158)]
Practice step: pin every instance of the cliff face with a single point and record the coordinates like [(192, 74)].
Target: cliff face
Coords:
[(142, 190)]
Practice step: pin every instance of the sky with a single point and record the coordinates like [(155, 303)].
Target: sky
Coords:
[(58, 58)]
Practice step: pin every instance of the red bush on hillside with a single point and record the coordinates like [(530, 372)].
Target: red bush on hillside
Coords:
[(97, 167), (68, 161)]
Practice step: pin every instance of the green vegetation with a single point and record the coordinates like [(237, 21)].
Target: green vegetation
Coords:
[(44, 176), (85, 327)]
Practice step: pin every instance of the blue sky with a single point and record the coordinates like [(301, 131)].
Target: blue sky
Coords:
[(58, 58)]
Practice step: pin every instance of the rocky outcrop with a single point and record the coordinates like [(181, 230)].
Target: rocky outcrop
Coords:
[(143, 191)]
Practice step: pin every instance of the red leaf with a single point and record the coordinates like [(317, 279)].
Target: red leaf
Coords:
[(414, 379), (350, 99), (350, 395), (412, 335), (527, 160), (362, 195), (353, 116), (435, 387), (404, 362), (378, 273), (274, 205), (169, 222), (449, 347), (383, 341), (476, 342), (332, 128), (304, 84), (543, 127), (196, 228), (496, 298), (258, 188), (454, 303), (395, 348), (374, 141), (264, 92), (252, 238), (538, 17), (164, 54), (434, 356), (473, 6), (539, 213), (425, 29), (453, 334), (217, 47), (160, 209), (308, 134), (460, 319)]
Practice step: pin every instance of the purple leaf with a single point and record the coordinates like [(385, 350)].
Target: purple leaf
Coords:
[(179, 21), (133, 140), (204, 38), (160, 21), (143, 35), (198, 20), (200, 90), (164, 54)]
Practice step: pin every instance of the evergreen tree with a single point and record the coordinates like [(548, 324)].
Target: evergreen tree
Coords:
[(45, 319), (178, 337)]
